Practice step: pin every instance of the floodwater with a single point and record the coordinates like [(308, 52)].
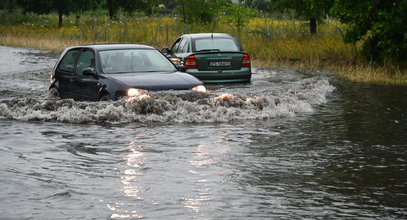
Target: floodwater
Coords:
[(290, 145)]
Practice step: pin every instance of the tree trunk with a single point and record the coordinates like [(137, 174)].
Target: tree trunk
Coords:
[(184, 19), (77, 17), (59, 20), (110, 9), (313, 25)]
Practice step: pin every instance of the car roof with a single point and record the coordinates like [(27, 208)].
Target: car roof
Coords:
[(115, 46), (200, 35)]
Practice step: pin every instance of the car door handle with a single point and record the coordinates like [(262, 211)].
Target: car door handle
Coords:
[(71, 80)]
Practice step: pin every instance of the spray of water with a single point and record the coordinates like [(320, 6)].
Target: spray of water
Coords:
[(179, 107)]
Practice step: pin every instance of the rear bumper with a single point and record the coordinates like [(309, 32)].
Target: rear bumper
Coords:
[(242, 75)]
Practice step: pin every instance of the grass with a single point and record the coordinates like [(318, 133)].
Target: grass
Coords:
[(270, 42), (368, 73)]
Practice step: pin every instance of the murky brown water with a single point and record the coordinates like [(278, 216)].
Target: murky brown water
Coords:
[(290, 145)]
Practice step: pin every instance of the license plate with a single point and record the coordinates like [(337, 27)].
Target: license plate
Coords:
[(219, 63)]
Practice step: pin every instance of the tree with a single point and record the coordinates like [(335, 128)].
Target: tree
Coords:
[(312, 10), (199, 11), (260, 5), (170, 4), (46, 6), (8, 5), (380, 24), (129, 6), (112, 8), (238, 14), (151, 6)]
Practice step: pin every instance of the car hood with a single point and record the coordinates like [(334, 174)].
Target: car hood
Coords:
[(157, 80)]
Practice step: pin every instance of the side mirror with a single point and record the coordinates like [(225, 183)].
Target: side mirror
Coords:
[(181, 68), (89, 71), (165, 51)]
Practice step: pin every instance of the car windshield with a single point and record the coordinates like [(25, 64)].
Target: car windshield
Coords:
[(216, 43), (134, 60)]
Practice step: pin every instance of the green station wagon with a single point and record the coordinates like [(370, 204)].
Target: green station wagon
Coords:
[(211, 57)]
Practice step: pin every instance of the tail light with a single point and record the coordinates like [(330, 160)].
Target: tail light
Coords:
[(246, 61), (190, 62)]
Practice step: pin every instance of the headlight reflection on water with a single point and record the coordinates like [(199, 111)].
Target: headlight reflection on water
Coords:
[(203, 187), (134, 159)]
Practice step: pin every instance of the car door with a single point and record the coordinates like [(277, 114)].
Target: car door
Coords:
[(183, 49), (180, 50), (64, 73), (174, 47), (85, 87)]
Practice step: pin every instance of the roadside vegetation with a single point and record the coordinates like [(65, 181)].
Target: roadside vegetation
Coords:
[(273, 39)]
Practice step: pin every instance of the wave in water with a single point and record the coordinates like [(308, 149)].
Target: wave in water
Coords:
[(181, 107)]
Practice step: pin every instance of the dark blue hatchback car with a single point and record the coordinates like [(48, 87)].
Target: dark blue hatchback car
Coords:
[(112, 71)]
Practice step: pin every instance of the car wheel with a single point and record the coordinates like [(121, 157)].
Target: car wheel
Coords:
[(106, 98), (53, 93)]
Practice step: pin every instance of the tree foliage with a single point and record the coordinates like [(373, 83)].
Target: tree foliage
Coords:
[(260, 5), (381, 24), (312, 10), (199, 11), (8, 4), (128, 6), (61, 7), (237, 14)]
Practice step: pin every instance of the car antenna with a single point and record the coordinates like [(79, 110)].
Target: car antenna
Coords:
[(212, 39), (213, 29)]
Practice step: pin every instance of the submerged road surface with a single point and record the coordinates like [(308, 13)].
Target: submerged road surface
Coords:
[(290, 145)]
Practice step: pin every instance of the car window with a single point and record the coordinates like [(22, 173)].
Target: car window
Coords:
[(222, 44), (183, 46), (134, 60), (86, 59), (187, 48), (68, 61), (174, 47)]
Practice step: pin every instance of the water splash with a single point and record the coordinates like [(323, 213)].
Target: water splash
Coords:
[(180, 107)]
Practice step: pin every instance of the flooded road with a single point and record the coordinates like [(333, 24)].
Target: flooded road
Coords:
[(290, 145)]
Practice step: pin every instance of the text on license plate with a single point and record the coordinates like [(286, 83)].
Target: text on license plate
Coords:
[(219, 63)]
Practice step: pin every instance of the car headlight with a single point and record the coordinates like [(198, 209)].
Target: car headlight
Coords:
[(136, 92), (176, 61), (51, 78), (200, 88)]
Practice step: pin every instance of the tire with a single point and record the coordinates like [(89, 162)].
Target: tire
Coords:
[(105, 98), (53, 93)]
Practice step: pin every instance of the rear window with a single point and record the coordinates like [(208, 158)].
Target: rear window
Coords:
[(221, 44)]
